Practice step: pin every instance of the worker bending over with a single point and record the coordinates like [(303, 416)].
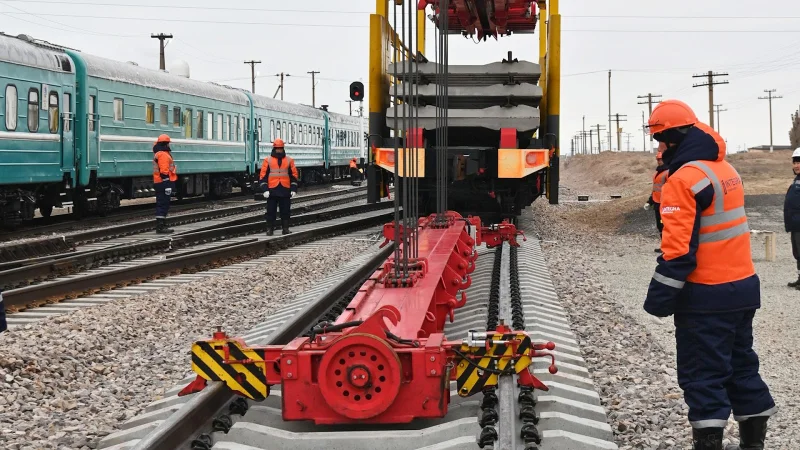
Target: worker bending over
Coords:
[(791, 214), (279, 181), (164, 177), (659, 179), (706, 278)]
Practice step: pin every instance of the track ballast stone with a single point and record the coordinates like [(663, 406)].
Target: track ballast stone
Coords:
[(68, 381)]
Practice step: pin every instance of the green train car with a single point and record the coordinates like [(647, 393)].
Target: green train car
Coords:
[(77, 128)]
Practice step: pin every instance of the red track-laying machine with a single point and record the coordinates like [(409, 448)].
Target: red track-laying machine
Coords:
[(385, 359)]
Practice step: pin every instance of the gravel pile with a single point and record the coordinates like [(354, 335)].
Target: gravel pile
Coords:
[(68, 381), (603, 279)]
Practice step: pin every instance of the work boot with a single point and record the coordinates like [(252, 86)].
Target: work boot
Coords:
[(707, 438), (161, 227), (270, 228), (795, 284), (658, 250), (285, 226), (752, 434)]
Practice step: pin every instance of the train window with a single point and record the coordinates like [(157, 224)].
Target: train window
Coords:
[(33, 110), (187, 123), (67, 110), (260, 131), (119, 106), (176, 116), (52, 111), (219, 127), (11, 107), (92, 109), (150, 113), (164, 116), (271, 130), (225, 125), (284, 131), (200, 124), (245, 129), (294, 133), (229, 128), (302, 130), (210, 131), (238, 130), (306, 135)]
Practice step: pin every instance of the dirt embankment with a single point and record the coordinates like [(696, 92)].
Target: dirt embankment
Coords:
[(630, 174)]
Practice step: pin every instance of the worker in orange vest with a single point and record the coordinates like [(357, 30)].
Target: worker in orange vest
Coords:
[(659, 179), (355, 175), (278, 179), (164, 177), (706, 278)]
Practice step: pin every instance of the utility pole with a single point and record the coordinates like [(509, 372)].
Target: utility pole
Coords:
[(161, 37), (628, 139), (770, 97), (649, 104), (314, 89), (591, 133), (719, 111), (619, 130), (599, 128), (584, 135), (351, 106), (711, 83), (609, 111), (644, 135), (253, 74), (280, 88)]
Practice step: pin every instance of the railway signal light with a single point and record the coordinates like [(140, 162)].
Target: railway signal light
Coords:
[(357, 91)]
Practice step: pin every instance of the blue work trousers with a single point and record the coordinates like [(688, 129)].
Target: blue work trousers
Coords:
[(162, 199), (3, 324), (272, 208), (718, 368)]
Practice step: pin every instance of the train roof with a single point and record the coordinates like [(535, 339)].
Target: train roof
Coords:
[(25, 51), (272, 104), (133, 74), (344, 119)]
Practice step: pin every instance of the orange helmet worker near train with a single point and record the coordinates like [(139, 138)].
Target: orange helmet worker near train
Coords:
[(659, 179), (706, 278), (164, 177), (278, 179)]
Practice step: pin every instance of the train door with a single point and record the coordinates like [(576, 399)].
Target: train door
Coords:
[(93, 121), (67, 132), (326, 143)]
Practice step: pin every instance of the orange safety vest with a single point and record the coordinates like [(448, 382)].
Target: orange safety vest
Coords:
[(723, 251), (278, 175), (659, 180), (164, 164)]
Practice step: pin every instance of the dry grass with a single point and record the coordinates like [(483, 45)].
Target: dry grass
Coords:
[(630, 174)]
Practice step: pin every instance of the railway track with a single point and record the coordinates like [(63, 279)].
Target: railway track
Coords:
[(60, 223), (186, 253), (16, 255), (509, 285)]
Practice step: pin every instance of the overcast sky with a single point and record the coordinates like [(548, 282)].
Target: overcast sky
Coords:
[(647, 48)]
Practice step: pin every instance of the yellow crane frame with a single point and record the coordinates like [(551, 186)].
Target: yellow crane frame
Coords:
[(384, 39)]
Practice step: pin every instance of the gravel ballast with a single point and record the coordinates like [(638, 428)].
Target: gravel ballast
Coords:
[(68, 381), (603, 279)]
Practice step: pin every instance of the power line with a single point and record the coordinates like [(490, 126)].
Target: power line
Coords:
[(193, 8), (710, 83), (314, 90), (649, 104)]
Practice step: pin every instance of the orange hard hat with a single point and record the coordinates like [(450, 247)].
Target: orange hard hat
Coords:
[(163, 138), (671, 114), (277, 143)]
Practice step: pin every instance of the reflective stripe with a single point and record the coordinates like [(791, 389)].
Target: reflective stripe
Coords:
[(709, 423), (702, 184), (725, 234), (766, 413), (719, 200), (668, 281), (727, 216)]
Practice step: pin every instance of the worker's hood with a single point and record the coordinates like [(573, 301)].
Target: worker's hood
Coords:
[(701, 143), (161, 147)]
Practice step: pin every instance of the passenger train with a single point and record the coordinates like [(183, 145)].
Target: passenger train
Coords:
[(80, 128)]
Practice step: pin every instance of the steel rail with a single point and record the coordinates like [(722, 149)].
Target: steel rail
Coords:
[(58, 290), (196, 415), (11, 254), (23, 274)]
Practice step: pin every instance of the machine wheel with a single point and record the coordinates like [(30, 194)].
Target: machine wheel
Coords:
[(46, 210)]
